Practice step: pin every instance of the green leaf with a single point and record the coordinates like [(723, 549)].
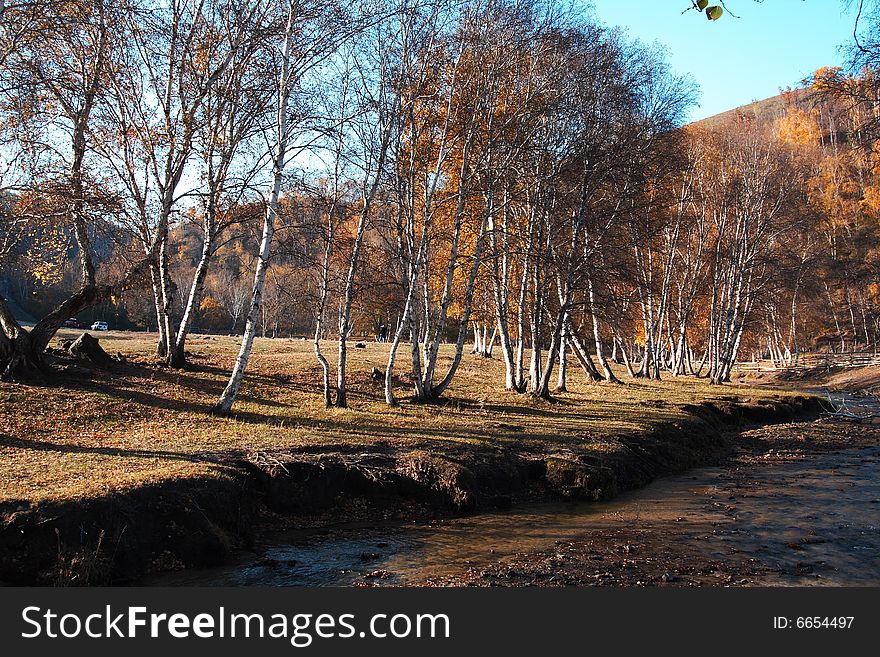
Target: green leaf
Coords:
[(702, 4), (714, 12)]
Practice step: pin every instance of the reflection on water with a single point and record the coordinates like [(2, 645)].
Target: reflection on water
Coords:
[(819, 517)]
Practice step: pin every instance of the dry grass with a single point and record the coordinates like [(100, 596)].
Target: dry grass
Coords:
[(863, 379), (142, 423)]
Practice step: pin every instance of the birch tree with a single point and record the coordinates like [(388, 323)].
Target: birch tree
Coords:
[(229, 119), (748, 212), (312, 32), (56, 76), (421, 150), (179, 56), (380, 58)]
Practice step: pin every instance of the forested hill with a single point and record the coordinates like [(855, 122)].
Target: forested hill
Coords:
[(767, 110)]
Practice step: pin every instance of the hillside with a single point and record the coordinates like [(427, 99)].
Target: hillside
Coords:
[(768, 109)]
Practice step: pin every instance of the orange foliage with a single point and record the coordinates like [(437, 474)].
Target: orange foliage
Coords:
[(799, 128)]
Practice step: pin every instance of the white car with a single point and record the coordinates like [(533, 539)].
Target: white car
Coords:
[(100, 326)]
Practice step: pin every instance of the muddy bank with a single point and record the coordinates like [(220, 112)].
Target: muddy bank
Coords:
[(796, 505), (119, 537), (192, 523)]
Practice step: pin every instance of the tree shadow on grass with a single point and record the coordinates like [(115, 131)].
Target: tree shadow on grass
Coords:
[(558, 409), (281, 381), (129, 391), (67, 448), (555, 422)]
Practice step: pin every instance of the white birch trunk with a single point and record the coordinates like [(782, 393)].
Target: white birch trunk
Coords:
[(227, 398)]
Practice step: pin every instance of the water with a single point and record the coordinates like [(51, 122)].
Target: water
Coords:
[(816, 521), (821, 516)]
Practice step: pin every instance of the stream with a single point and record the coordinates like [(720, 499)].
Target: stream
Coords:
[(814, 521)]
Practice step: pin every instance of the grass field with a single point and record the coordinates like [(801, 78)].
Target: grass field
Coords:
[(140, 422)]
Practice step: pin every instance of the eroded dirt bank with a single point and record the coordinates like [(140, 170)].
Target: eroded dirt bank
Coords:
[(187, 523)]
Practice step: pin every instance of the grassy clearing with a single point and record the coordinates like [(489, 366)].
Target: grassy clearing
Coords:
[(143, 423)]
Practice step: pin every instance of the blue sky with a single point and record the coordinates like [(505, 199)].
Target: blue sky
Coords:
[(774, 44)]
